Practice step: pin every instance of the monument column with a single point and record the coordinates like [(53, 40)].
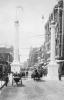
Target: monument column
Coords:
[(15, 66), (16, 42), (52, 66)]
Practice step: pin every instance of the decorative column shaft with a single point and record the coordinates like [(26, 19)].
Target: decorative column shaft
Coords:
[(52, 56), (52, 66), (16, 42), (15, 66)]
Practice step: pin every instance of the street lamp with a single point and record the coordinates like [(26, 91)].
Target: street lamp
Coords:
[(16, 10), (15, 66)]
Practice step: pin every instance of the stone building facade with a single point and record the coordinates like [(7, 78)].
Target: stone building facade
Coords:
[(57, 17), (6, 54)]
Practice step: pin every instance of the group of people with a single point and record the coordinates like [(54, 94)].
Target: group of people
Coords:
[(7, 78)]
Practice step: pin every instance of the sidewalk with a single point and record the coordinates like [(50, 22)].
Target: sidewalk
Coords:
[(2, 83), (52, 78)]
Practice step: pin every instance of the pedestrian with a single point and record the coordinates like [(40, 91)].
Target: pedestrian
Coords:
[(27, 73), (6, 80)]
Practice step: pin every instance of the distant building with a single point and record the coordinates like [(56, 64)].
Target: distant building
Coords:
[(6, 53), (33, 57)]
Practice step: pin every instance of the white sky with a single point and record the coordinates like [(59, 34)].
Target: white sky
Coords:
[(30, 22)]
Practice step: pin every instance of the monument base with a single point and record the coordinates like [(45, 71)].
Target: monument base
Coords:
[(52, 71), (15, 67)]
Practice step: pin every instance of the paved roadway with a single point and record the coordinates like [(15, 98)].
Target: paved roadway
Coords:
[(34, 90)]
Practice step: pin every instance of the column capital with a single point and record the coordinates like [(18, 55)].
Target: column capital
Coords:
[(16, 23), (53, 24)]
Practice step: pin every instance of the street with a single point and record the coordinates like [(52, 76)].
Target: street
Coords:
[(31, 46), (34, 90)]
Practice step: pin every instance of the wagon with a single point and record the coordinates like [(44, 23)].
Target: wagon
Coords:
[(17, 79), (36, 74)]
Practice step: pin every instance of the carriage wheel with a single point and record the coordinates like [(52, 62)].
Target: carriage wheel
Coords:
[(17, 83), (21, 82), (34, 78), (59, 77), (12, 82)]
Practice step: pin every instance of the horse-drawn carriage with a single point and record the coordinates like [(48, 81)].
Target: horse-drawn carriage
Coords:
[(36, 74), (17, 78), (39, 72)]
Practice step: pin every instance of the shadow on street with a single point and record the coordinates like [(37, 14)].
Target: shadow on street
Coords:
[(38, 80), (19, 85)]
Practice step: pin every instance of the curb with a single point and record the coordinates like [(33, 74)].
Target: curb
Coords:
[(2, 86)]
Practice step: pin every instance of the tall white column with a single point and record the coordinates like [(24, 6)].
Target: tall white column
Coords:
[(15, 66), (52, 66), (16, 42), (52, 55)]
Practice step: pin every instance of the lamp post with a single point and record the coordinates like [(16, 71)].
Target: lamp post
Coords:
[(53, 66), (15, 66), (16, 43), (18, 7)]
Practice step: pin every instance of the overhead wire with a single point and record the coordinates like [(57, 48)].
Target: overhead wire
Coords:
[(24, 48), (23, 55), (37, 36)]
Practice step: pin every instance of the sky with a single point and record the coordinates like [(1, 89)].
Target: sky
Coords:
[(31, 24)]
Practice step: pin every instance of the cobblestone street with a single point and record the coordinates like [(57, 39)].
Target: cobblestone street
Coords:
[(34, 90)]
